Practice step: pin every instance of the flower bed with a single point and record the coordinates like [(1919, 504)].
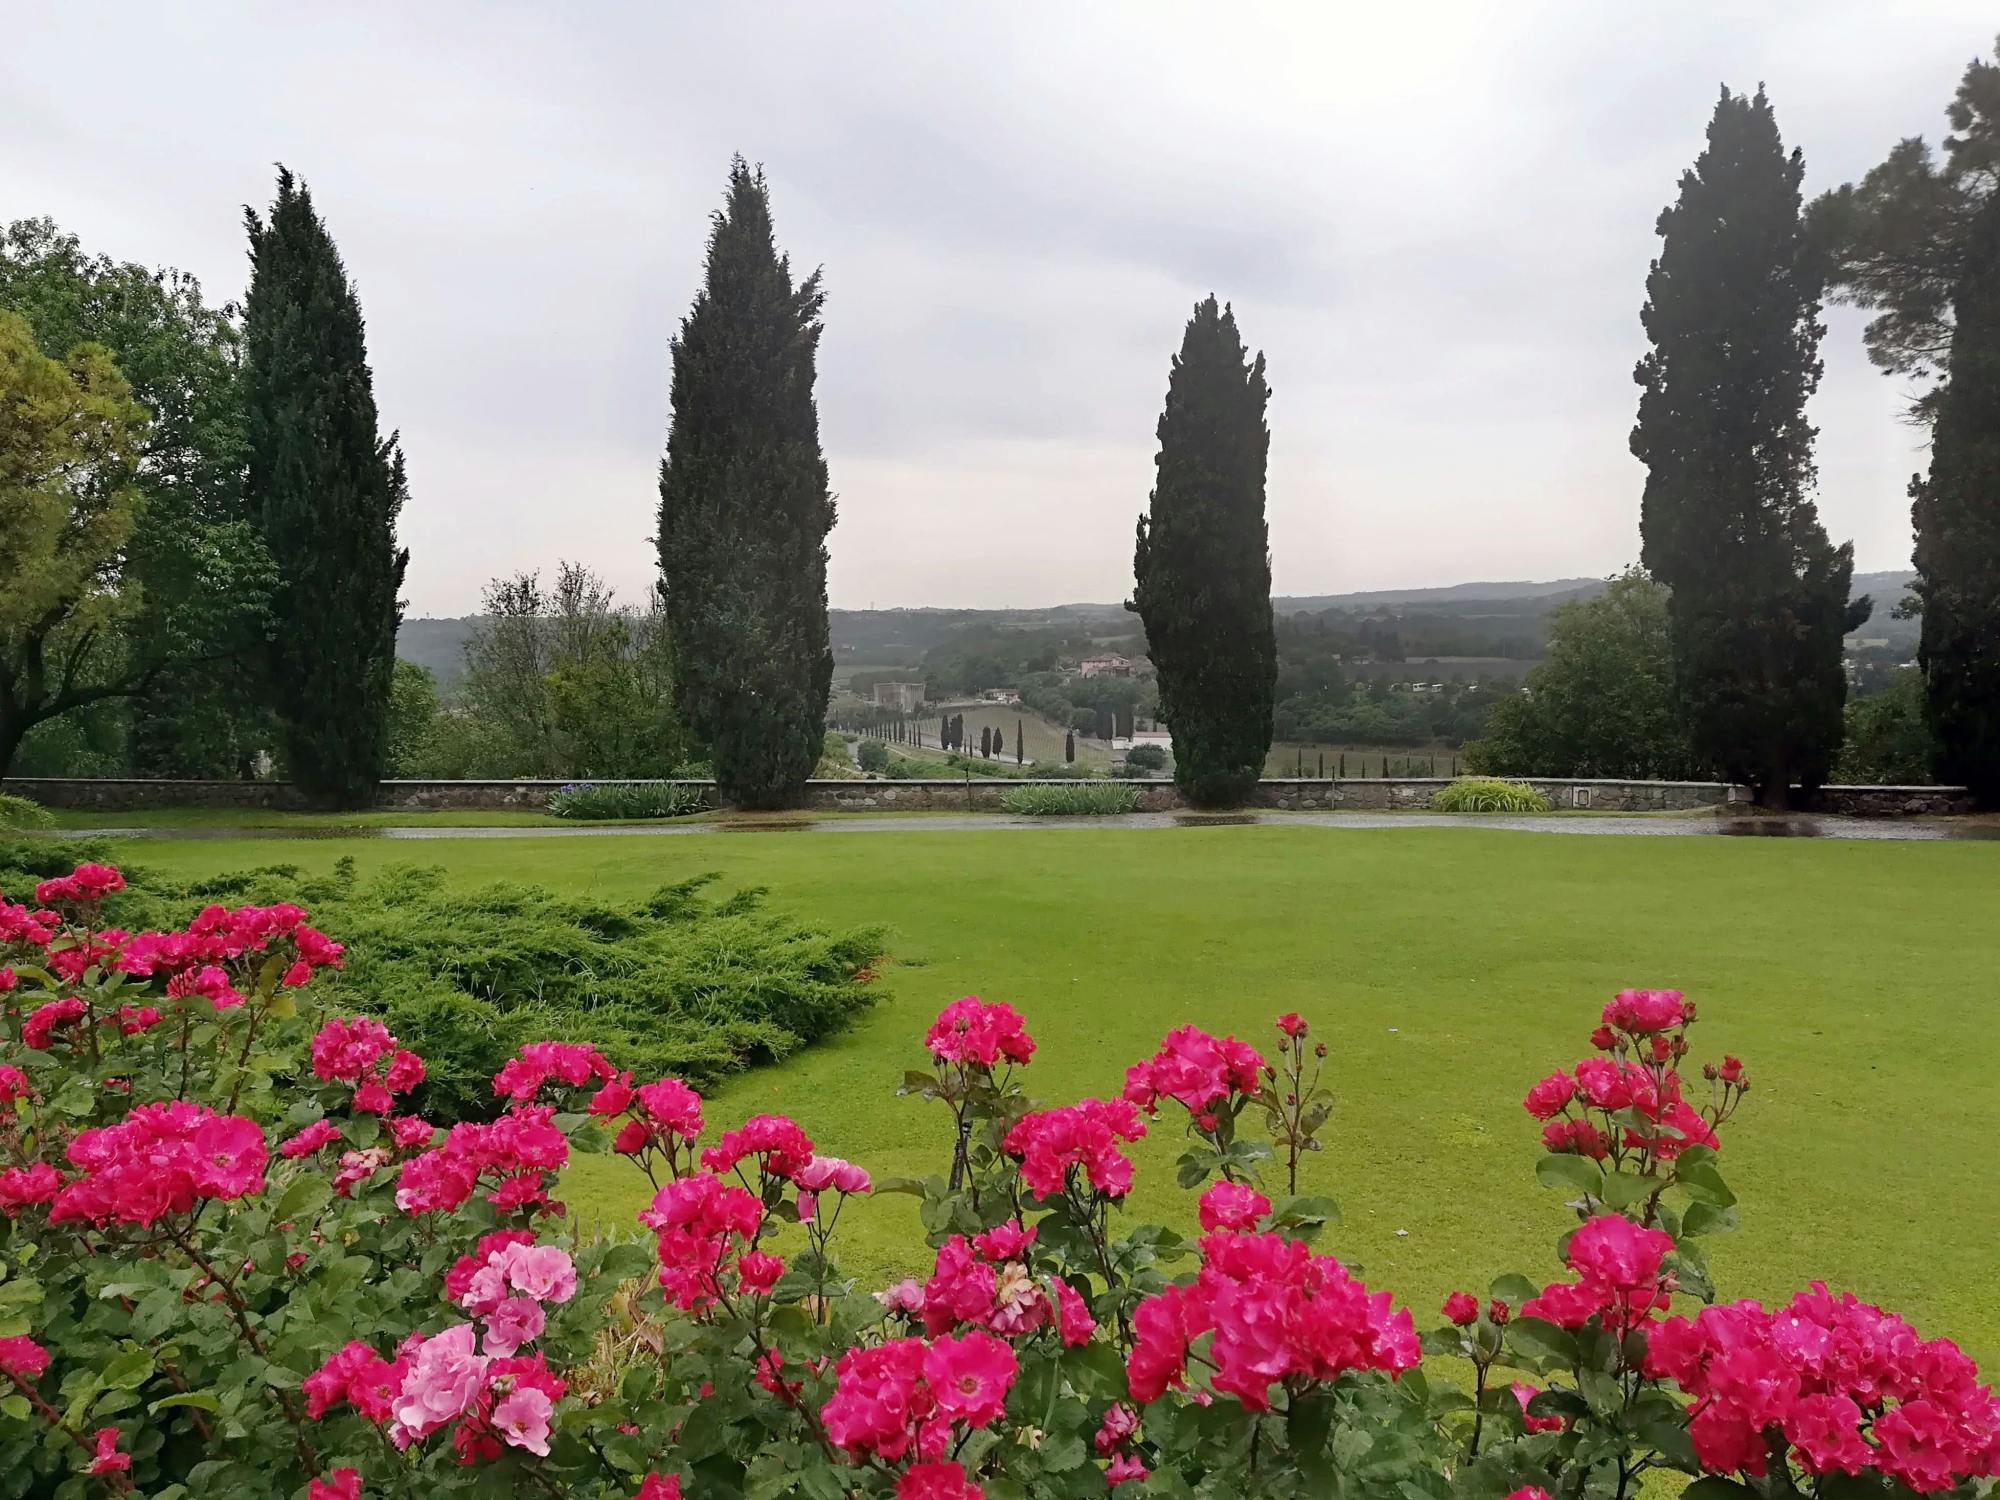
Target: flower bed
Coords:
[(236, 1264)]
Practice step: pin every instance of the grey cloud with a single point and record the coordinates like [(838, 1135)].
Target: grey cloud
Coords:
[(1435, 221)]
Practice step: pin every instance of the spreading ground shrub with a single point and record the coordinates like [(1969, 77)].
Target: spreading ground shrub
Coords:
[(19, 812), (626, 799), (239, 1265), (1488, 794), (685, 981), (1077, 800)]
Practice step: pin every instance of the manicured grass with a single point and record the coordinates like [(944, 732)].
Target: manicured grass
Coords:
[(1447, 969)]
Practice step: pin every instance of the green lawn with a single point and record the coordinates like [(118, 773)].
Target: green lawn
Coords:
[(1448, 969)]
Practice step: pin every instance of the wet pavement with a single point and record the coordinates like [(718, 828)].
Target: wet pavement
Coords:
[(1639, 826)]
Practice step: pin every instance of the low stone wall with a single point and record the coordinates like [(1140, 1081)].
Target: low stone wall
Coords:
[(111, 794), (1564, 795), (984, 794), (979, 794), (1894, 801)]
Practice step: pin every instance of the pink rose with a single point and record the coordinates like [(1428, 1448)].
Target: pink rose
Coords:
[(442, 1382), (516, 1321), (522, 1419)]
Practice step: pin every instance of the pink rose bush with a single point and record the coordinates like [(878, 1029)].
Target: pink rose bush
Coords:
[(240, 1261)]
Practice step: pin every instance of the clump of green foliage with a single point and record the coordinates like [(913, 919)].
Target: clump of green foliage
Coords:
[(1146, 758), (1081, 799), (1486, 794), (682, 982), (1888, 741), (625, 800), (872, 755), (834, 762), (19, 812)]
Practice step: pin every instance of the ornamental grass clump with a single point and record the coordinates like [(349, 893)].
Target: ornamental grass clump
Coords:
[(241, 1261), (1486, 794), (626, 800), (1082, 799)]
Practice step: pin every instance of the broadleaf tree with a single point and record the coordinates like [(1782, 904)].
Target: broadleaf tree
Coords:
[(1896, 242), (745, 510), (325, 488), (195, 570), (1602, 702), (1202, 563), (71, 440), (1759, 594)]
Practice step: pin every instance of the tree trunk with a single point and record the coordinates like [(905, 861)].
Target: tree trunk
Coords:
[(13, 729)]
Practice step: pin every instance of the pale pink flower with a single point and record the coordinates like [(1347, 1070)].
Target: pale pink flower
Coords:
[(544, 1272), (516, 1321), (522, 1418), (444, 1379)]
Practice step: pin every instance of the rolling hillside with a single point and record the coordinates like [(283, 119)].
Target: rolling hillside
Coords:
[(902, 637)]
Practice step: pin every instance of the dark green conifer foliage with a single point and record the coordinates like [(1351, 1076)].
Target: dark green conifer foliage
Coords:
[(1202, 565), (1069, 748), (1020, 741), (745, 510), (1728, 522), (1957, 515), (325, 488)]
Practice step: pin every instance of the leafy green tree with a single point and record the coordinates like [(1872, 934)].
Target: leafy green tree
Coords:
[(1956, 509), (1602, 704), (565, 682), (1759, 594), (194, 569), (413, 719), (326, 488), (1897, 241), (1888, 742), (745, 510), (71, 441), (1202, 564)]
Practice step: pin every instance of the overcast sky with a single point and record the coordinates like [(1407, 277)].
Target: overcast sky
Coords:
[(1434, 220)]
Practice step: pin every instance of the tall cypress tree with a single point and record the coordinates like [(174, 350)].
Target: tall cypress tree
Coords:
[(1957, 516), (325, 488), (1728, 522), (744, 510), (1202, 564)]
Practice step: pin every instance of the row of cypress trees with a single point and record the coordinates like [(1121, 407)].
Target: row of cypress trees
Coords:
[(1759, 591), (1760, 595)]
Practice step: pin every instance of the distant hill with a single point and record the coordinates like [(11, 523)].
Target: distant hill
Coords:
[(1887, 590), (1457, 593), (438, 645), (901, 637)]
